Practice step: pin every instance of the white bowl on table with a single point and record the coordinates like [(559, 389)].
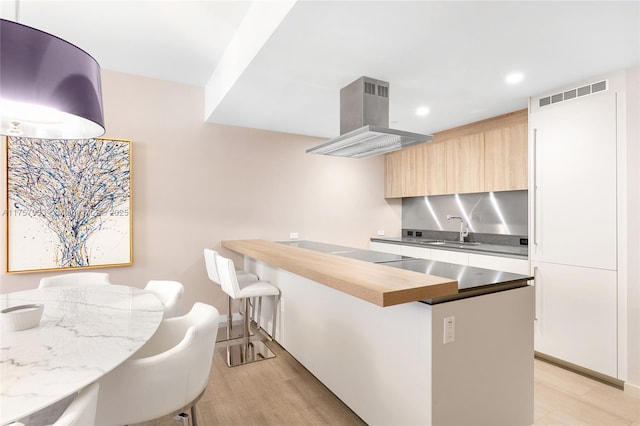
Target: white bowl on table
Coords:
[(22, 317)]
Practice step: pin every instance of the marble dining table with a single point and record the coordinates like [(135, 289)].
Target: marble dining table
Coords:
[(84, 333)]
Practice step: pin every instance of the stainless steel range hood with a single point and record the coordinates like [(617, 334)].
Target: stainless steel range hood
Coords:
[(364, 123)]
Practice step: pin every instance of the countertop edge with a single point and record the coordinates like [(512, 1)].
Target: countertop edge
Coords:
[(374, 283)]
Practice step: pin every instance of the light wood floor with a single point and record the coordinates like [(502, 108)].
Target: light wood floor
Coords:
[(566, 398), (280, 392), (277, 391)]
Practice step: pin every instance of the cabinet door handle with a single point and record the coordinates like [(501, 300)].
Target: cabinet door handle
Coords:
[(535, 187), (538, 294)]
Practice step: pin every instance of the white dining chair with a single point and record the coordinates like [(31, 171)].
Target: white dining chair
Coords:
[(80, 412), (242, 276), (166, 376), (170, 294), (75, 279), (249, 350)]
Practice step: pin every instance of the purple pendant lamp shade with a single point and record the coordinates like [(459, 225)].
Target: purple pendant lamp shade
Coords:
[(49, 88)]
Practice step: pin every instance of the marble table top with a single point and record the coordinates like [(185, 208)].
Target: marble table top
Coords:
[(84, 333)]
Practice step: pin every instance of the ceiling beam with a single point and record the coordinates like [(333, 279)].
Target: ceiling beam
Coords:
[(256, 28)]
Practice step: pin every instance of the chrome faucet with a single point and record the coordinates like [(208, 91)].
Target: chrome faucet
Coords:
[(464, 230)]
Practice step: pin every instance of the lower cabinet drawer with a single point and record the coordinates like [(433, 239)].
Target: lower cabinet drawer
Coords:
[(506, 264), (456, 257), (386, 247)]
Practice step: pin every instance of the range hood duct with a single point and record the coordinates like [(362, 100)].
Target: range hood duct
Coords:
[(364, 123)]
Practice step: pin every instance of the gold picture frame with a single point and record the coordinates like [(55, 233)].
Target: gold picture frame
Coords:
[(68, 204)]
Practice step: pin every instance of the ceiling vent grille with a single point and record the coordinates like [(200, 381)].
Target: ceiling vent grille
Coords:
[(589, 89)]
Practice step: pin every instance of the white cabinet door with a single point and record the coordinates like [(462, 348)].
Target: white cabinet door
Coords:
[(457, 257), (419, 252), (506, 264), (411, 251), (576, 315), (385, 247), (574, 203)]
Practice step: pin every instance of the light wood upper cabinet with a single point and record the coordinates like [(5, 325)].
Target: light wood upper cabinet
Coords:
[(393, 175), (434, 172), (505, 158), (489, 155), (415, 171), (413, 159), (465, 164)]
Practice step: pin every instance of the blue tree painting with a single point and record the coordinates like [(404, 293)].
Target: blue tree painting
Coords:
[(72, 187)]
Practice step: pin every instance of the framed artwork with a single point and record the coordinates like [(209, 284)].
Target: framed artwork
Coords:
[(68, 204)]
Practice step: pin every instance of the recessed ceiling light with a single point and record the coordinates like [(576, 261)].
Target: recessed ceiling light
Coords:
[(422, 111), (514, 78)]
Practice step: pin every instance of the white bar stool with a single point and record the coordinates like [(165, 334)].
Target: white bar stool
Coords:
[(242, 276), (247, 351)]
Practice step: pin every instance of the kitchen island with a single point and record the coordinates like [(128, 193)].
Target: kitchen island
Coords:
[(430, 354)]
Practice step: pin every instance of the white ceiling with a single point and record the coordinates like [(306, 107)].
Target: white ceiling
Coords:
[(450, 56)]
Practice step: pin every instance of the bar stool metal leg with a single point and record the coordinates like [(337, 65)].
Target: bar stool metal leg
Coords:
[(247, 320), (194, 418), (248, 351), (229, 316), (231, 333)]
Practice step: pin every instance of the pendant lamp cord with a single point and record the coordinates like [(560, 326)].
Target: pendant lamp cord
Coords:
[(17, 11)]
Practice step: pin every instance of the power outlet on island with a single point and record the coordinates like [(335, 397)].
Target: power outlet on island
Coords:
[(380, 232), (449, 330), (293, 235)]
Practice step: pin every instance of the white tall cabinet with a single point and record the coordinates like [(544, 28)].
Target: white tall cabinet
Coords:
[(573, 227)]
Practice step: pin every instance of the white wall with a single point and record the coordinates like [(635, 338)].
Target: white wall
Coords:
[(195, 184)]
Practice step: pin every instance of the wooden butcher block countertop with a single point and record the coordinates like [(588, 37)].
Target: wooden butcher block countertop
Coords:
[(376, 283)]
